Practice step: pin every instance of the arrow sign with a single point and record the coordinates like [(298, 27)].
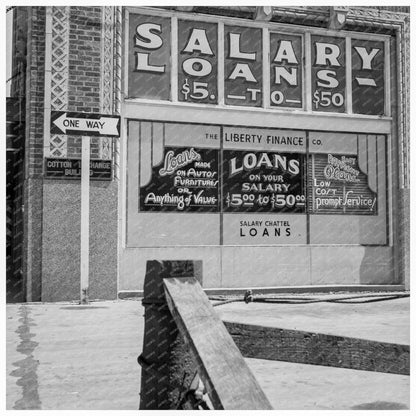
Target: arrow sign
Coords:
[(84, 124)]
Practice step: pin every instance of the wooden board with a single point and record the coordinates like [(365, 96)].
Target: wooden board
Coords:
[(320, 349), (229, 381)]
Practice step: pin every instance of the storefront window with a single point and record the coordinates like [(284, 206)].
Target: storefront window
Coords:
[(245, 185)]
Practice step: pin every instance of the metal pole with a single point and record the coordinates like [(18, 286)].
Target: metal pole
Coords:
[(85, 223)]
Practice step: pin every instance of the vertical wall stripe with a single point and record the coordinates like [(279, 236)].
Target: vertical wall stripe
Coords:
[(131, 201), (348, 76), (372, 162), (399, 105), (309, 172), (266, 68), (308, 77), (123, 194), (117, 93), (362, 153), (221, 211), (221, 81), (107, 77), (174, 60), (107, 56), (382, 175), (117, 143), (387, 85), (157, 144), (47, 88), (390, 189), (59, 75), (145, 153)]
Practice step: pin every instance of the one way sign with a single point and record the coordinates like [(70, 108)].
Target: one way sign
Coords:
[(85, 124)]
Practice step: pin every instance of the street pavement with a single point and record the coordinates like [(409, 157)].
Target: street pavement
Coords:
[(65, 356)]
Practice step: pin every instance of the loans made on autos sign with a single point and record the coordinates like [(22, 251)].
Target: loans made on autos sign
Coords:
[(195, 58)]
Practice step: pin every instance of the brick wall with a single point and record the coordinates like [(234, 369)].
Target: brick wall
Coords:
[(84, 80), (33, 204), (35, 92), (61, 198), (84, 69)]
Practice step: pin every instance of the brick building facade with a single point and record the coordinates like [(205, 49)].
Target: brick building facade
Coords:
[(77, 60)]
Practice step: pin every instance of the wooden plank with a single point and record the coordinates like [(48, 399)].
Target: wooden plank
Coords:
[(320, 349), (229, 381), (167, 365)]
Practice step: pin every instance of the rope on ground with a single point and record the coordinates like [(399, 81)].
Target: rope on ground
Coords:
[(353, 299)]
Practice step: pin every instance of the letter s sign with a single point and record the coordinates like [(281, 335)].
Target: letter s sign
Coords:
[(149, 57)]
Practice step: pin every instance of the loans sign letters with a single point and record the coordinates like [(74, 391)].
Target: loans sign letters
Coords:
[(250, 170), (246, 185), (201, 77), (186, 181)]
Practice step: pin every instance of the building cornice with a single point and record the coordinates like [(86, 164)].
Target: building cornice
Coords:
[(311, 15)]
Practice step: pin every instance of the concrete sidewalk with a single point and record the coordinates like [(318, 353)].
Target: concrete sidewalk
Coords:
[(64, 356)]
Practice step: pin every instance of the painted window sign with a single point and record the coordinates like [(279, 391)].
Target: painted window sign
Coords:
[(197, 62), (286, 78), (186, 181), (340, 187), (247, 185), (263, 171), (368, 77), (328, 74), (263, 182), (178, 168), (226, 65), (243, 66), (149, 64)]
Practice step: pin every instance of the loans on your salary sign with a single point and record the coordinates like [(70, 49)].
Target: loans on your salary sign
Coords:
[(150, 65)]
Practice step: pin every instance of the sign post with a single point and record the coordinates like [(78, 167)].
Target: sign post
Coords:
[(85, 220), (85, 125)]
